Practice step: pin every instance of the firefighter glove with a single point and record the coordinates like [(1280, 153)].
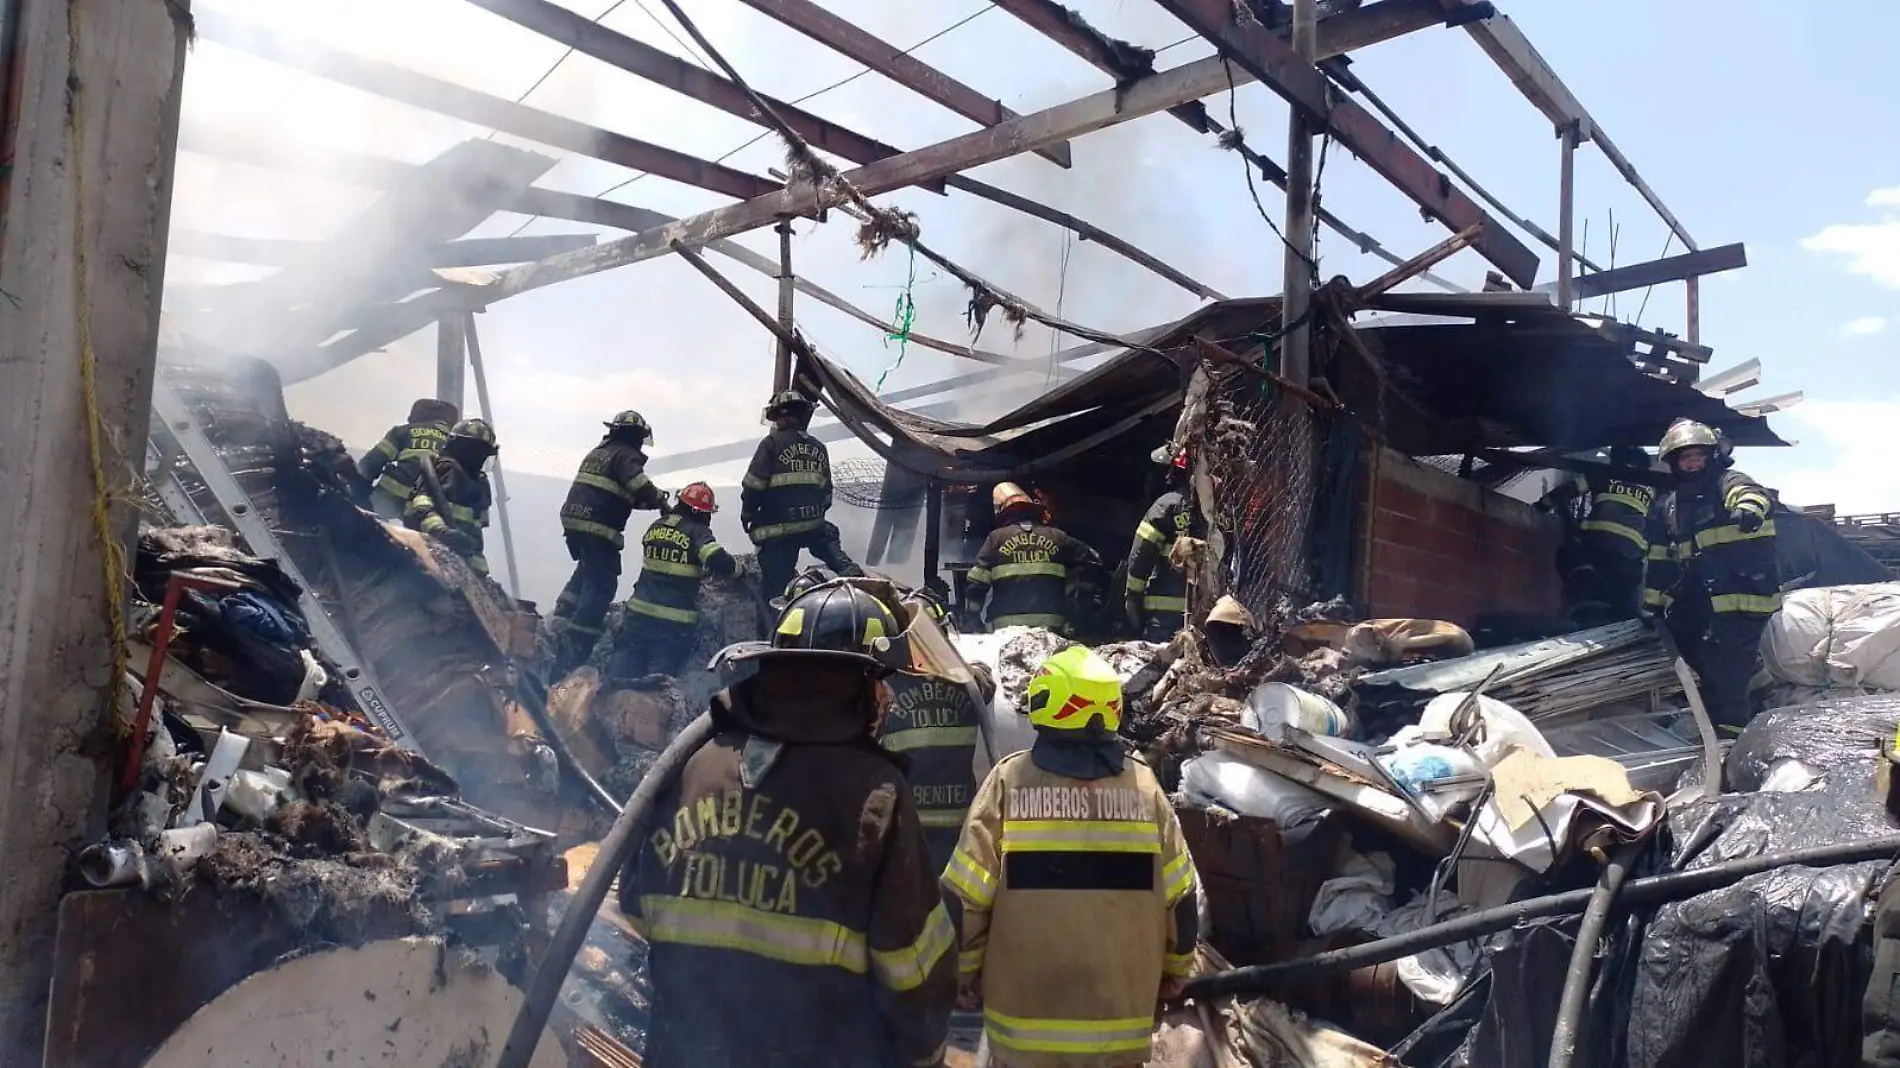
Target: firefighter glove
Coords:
[(1748, 519), (456, 540)]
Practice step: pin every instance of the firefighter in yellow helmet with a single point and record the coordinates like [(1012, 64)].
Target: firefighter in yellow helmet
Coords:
[(1026, 567), (1712, 576), (1073, 884)]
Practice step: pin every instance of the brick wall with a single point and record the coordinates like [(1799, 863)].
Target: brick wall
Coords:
[(1445, 548)]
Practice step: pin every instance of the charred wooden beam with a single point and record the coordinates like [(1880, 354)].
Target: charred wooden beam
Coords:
[(469, 252), (1668, 269), (894, 63), (1271, 60), (469, 105), (1348, 31)]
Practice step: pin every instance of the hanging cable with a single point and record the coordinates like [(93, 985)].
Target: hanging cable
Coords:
[(552, 67), (1062, 292), (1234, 138)]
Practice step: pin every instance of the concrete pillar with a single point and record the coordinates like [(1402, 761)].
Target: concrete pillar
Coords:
[(110, 198)]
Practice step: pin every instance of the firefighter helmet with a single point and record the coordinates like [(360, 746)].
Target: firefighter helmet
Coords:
[(789, 402), (631, 420), (839, 621), (699, 497), (476, 430), (808, 579), (1008, 497), (430, 410), (1687, 434), (1073, 690), (930, 603)]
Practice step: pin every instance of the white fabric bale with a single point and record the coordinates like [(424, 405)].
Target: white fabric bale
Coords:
[(1837, 637)]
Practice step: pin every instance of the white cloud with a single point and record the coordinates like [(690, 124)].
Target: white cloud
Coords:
[(1871, 249), (1865, 326), (1841, 457)]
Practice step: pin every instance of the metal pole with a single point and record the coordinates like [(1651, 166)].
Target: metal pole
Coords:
[(1567, 221), (782, 370), (933, 530), (1297, 272), (501, 483), (451, 353)]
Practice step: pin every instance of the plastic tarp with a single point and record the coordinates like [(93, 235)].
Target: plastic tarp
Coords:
[(1840, 637)]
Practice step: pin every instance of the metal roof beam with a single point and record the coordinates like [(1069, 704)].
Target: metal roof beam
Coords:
[(1273, 61), (850, 40), (447, 98), (1657, 272), (281, 252)]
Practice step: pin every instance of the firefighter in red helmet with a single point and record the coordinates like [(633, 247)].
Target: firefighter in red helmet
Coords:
[(1155, 598), (676, 553)]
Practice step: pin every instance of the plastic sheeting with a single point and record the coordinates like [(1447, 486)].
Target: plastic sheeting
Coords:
[(1842, 637)]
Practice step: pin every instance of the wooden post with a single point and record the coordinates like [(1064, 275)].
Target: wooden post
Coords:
[(474, 344), (1567, 220), (1297, 272), (1694, 334), (82, 264), (933, 532), (451, 358), (782, 370)]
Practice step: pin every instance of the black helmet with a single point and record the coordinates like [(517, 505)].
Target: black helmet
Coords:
[(790, 402), (476, 430), (632, 424), (839, 621), (809, 579)]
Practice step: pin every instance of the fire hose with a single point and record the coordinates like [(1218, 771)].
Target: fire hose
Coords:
[(1654, 890), (614, 851), (1563, 1039)]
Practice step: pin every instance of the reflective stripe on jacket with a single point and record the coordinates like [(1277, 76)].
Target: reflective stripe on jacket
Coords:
[(611, 483), (1024, 568), (933, 723), (1077, 898), (806, 902), (1698, 550), (1619, 516), (787, 487), (401, 443), (675, 554), (463, 505), (1161, 585)]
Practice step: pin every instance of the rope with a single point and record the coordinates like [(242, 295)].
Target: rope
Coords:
[(902, 316), (111, 553)]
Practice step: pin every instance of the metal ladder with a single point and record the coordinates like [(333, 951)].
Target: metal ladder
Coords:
[(179, 424)]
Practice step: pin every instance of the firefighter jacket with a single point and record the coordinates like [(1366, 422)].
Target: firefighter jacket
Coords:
[(675, 554), (935, 723), (1619, 515), (448, 498), (787, 488), (1077, 897), (1025, 567), (783, 890), (379, 466), (611, 483), (1698, 550), (1161, 586)]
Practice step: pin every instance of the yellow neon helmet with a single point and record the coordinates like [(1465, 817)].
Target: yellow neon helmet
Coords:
[(1074, 690)]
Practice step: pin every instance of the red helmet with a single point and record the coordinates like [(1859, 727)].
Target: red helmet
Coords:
[(699, 497)]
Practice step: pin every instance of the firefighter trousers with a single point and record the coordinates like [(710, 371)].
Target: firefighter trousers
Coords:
[(778, 558), (648, 646), (583, 602), (1724, 652), (1608, 579)]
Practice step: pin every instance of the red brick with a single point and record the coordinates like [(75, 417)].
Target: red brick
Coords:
[(1404, 500)]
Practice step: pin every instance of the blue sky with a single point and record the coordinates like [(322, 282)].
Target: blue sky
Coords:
[(1755, 125)]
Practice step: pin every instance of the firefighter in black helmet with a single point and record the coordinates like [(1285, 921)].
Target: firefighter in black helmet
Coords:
[(449, 496), (425, 433), (786, 493), (676, 554), (611, 483), (785, 871), (1712, 576), (1602, 559)]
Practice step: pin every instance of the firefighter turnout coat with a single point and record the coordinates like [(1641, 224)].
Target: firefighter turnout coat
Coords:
[(448, 498), (787, 488), (791, 915), (611, 483), (381, 466), (933, 722), (1619, 516), (1697, 549), (1025, 568), (1161, 586), (1077, 897), (675, 554)]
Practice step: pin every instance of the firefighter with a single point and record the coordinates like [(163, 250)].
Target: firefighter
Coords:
[(677, 552), (783, 887), (449, 497), (1074, 884), (786, 493), (611, 483), (1712, 573), (425, 433), (1155, 599), (1603, 562), (1025, 567), (935, 724)]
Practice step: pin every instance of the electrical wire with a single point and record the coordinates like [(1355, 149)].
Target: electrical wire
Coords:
[(1234, 138), (556, 65), (1667, 244)]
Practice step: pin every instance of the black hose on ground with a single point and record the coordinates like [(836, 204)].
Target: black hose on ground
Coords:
[(1656, 889), (614, 851), (1563, 1039), (533, 696)]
